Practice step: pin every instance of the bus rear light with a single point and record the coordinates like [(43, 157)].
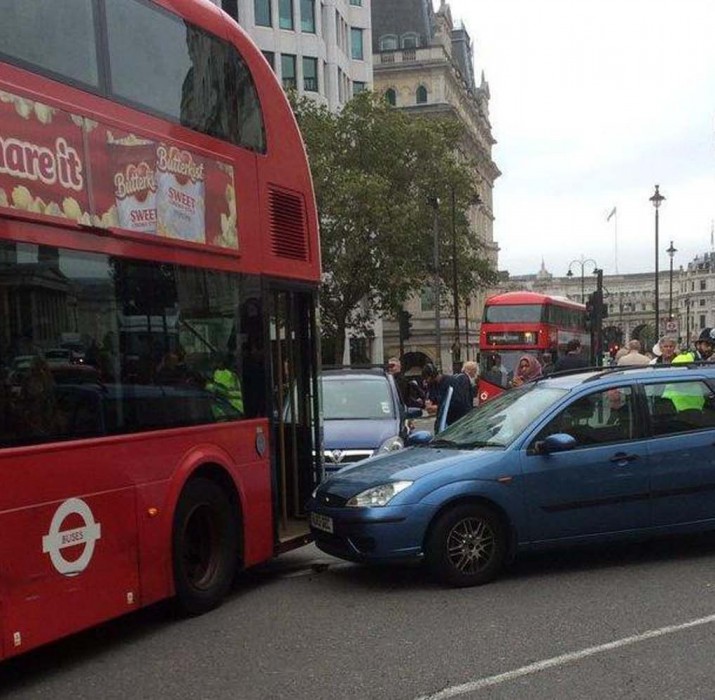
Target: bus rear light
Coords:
[(152, 512)]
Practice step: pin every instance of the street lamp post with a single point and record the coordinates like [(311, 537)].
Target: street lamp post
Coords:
[(687, 322), (582, 262), (434, 202), (656, 200), (671, 252)]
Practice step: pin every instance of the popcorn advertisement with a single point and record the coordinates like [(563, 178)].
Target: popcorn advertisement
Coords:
[(59, 164)]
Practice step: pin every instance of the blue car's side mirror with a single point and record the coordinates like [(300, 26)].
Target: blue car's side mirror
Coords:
[(419, 437), (560, 442)]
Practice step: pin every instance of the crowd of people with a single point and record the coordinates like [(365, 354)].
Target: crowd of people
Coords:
[(428, 390)]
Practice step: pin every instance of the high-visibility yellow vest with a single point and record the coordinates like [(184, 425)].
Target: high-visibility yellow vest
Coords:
[(228, 385), (682, 401)]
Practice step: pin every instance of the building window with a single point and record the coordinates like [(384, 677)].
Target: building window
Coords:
[(270, 57), (262, 10), (310, 74), (702, 302), (703, 285), (285, 14), (307, 16), (410, 41), (357, 3), (427, 299), (702, 320), (388, 42), (391, 97), (358, 87), (230, 7), (421, 95), (288, 76), (356, 44)]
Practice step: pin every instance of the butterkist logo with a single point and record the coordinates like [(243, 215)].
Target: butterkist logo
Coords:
[(136, 180), (179, 163), (28, 161)]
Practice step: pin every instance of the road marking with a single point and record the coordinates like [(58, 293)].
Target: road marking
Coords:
[(562, 660)]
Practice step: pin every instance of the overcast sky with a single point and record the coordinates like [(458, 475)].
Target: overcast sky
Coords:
[(592, 104)]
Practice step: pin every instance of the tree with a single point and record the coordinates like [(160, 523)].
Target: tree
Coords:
[(377, 173)]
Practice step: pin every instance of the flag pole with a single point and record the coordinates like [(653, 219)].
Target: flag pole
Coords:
[(615, 216)]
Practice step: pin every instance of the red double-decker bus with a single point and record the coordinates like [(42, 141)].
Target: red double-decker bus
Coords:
[(519, 323), (159, 262)]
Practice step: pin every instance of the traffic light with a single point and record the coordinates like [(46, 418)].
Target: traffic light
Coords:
[(591, 311), (404, 318)]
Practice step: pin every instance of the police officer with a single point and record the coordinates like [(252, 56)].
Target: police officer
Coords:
[(704, 346)]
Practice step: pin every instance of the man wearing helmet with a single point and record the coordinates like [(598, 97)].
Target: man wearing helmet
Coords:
[(704, 346)]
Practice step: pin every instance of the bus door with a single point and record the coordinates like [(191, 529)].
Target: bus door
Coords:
[(296, 427)]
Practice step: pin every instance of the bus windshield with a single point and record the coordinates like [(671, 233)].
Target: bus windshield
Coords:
[(513, 313)]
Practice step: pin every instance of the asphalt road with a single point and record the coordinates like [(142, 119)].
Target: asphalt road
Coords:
[(634, 621)]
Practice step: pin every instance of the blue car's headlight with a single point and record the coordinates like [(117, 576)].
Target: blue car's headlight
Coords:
[(390, 445), (378, 496)]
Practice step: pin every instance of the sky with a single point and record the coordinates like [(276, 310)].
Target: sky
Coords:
[(592, 105)]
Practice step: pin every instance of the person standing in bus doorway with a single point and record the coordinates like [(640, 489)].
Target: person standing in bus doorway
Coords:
[(573, 359)]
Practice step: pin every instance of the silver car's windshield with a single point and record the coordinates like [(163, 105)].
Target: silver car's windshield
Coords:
[(498, 422)]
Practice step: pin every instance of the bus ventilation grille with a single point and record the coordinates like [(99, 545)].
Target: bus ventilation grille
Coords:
[(288, 232)]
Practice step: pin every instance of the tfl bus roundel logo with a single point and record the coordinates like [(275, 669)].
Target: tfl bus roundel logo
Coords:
[(56, 539)]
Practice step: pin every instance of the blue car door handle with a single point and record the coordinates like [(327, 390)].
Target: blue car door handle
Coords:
[(623, 457)]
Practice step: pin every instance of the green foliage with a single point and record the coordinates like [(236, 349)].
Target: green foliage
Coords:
[(377, 172)]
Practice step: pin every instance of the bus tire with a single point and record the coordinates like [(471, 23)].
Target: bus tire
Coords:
[(205, 542)]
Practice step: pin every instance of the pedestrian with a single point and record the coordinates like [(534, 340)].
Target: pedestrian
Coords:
[(394, 367), (527, 370), (572, 359), (703, 352), (439, 384), (633, 356), (665, 351), (470, 370), (547, 364)]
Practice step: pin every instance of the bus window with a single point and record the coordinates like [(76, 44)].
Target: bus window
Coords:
[(57, 37), (188, 75)]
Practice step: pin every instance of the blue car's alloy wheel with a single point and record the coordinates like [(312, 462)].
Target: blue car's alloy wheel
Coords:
[(466, 546)]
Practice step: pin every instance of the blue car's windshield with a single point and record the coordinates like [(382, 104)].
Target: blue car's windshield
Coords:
[(351, 398), (497, 423)]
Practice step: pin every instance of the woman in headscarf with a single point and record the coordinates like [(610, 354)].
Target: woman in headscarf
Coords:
[(527, 370)]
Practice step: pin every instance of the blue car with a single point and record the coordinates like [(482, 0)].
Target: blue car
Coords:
[(581, 458), (363, 415)]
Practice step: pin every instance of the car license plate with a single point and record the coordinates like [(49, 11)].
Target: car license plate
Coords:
[(322, 522)]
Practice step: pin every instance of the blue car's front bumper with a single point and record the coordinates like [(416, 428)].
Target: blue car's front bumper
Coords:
[(390, 533)]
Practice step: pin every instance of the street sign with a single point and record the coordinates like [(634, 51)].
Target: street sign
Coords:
[(671, 326)]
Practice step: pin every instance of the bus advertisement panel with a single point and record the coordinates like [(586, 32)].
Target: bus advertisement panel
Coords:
[(525, 323), (159, 266)]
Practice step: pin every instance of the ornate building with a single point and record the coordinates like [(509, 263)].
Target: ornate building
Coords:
[(425, 65), (630, 299), (321, 49)]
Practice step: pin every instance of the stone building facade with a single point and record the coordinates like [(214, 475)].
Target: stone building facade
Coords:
[(424, 64), (630, 298), (321, 48)]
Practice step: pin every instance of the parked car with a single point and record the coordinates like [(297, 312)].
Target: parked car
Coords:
[(363, 416), (583, 458)]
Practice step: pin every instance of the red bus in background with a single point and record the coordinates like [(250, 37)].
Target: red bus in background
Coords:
[(159, 264), (518, 323)]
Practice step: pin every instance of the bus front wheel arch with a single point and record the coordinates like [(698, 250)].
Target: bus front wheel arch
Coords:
[(205, 542)]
